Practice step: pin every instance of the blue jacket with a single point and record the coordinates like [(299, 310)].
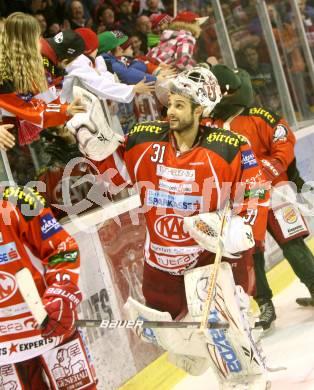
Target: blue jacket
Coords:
[(131, 74)]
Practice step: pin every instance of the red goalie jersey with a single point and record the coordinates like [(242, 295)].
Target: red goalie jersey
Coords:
[(173, 185), (30, 237)]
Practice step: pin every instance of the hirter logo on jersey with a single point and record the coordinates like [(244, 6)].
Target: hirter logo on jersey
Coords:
[(248, 159), (49, 226), (170, 227), (8, 286)]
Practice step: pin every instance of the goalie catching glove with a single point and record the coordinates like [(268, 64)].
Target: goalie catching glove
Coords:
[(204, 229), (60, 302), (95, 137)]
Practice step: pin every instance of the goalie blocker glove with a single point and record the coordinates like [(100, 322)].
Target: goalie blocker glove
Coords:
[(95, 137)]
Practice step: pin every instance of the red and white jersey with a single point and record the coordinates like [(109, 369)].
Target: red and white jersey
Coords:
[(173, 185), (32, 109), (270, 136), (30, 237)]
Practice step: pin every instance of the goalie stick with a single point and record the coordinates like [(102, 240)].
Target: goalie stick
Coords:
[(213, 277), (147, 324), (29, 292)]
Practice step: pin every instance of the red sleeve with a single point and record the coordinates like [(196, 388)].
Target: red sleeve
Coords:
[(113, 171), (44, 236), (250, 191), (282, 141), (35, 111)]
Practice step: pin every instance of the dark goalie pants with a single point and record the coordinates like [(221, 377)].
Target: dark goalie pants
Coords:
[(65, 367)]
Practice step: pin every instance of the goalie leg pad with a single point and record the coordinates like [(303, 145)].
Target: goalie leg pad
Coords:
[(179, 341), (234, 353)]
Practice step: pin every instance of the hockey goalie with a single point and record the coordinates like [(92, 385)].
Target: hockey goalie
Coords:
[(185, 174)]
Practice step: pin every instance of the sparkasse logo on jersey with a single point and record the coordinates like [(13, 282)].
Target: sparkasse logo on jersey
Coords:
[(9, 253), (170, 227), (177, 202)]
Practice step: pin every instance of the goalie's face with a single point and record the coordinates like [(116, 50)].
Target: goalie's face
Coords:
[(181, 113)]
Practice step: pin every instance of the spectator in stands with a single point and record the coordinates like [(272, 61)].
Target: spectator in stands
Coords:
[(306, 9), (262, 78), (160, 22), (143, 28), (46, 8), (53, 29), (92, 72), (136, 43), (125, 16), (177, 43), (307, 13), (293, 60), (42, 22), (152, 7), (23, 84), (76, 16), (106, 19), (128, 71)]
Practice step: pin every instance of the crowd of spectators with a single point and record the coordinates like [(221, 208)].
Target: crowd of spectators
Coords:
[(133, 30)]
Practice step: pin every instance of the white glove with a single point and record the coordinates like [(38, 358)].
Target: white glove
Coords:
[(204, 229)]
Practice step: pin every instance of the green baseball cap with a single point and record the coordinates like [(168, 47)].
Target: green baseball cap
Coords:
[(237, 90), (109, 40)]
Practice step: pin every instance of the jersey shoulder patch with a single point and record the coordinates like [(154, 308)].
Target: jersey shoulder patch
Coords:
[(27, 199), (225, 143), (268, 116), (154, 131)]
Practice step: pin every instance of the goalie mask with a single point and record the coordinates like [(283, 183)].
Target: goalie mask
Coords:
[(198, 84)]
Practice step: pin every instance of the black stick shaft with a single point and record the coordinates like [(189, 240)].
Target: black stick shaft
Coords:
[(147, 324)]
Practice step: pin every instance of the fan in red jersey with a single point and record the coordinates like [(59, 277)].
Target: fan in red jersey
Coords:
[(25, 99)]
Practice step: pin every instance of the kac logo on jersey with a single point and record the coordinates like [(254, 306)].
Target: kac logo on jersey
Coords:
[(280, 134), (8, 253), (49, 226), (248, 159), (8, 286), (170, 227)]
